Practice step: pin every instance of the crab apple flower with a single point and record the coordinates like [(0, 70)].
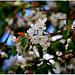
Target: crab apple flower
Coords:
[(42, 21), (41, 25), (19, 48), (22, 62), (40, 28), (15, 40), (39, 39), (62, 23), (3, 54), (32, 30), (55, 18), (46, 45), (51, 5), (10, 21), (39, 15), (35, 51)]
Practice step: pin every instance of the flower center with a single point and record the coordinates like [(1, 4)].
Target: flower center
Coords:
[(35, 30), (40, 27), (39, 39)]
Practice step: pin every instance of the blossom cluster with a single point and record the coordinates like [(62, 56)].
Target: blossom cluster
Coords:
[(35, 36), (28, 19), (36, 31), (33, 18), (56, 18)]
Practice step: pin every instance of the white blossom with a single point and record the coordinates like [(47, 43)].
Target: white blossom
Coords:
[(59, 68), (47, 56), (10, 62), (32, 30), (19, 48), (10, 21), (38, 15), (20, 22), (29, 18), (3, 54), (58, 53), (39, 26), (46, 45), (21, 61), (35, 51), (13, 39), (39, 39), (55, 18), (54, 38), (62, 23), (51, 4)]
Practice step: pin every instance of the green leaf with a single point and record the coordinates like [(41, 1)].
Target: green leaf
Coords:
[(24, 42), (16, 67), (64, 6), (23, 13), (14, 52), (55, 45), (69, 22), (71, 46), (42, 69), (27, 48), (2, 71), (66, 34), (51, 67), (28, 65), (27, 5), (58, 46)]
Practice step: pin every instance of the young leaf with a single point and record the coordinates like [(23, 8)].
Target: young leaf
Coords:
[(24, 42), (28, 65), (21, 33), (66, 34), (14, 50), (16, 67), (55, 45), (69, 22), (71, 46)]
